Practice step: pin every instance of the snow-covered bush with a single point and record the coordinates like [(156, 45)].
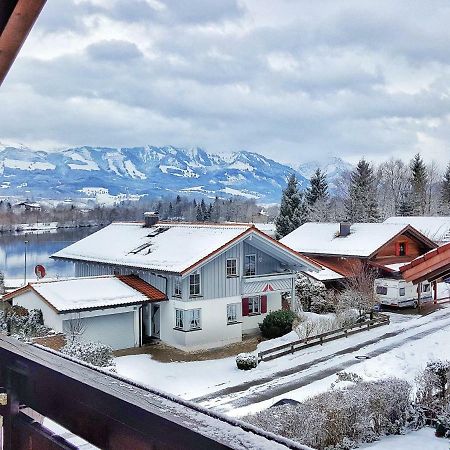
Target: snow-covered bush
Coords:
[(323, 305), (311, 325), (341, 418), (309, 290), (277, 323), (23, 324), (94, 353), (246, 361)]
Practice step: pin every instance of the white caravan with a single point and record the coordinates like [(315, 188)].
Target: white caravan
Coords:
[(400, 293)]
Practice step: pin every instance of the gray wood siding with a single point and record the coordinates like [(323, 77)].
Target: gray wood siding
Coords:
[(214, 282), (265, 264), (89, 269)]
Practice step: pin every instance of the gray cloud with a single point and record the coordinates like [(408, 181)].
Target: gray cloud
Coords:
[(288, 79)]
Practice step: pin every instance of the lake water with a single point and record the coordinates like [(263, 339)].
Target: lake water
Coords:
[(39, 248)]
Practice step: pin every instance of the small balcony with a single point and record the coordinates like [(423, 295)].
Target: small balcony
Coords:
[(271, 282)]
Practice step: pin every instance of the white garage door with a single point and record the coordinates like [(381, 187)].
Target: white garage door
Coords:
[(115, 330)]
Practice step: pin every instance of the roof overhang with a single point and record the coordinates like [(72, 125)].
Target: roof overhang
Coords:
[(17, 17), (429, 267)]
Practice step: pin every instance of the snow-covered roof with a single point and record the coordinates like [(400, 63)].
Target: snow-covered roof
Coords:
[(323, 238), (166, 247), (325, 274), (268, 228), (78, 294), (435, 228)]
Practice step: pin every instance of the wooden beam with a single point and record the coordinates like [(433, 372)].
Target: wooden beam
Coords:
[(17, 17)]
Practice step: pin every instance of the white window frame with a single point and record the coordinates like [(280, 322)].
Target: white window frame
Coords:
[(177, 287), (188, 319), (402, 292), (426, 287), (229, 269), (199, 284), (179, 319), (233, 313), (254, 305), (246, 270)]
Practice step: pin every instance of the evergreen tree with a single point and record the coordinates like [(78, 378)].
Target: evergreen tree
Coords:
[(406, 207), (293, 211), (419, 181), (317, 197), (445, 191), (199, 216), (361, 204), (318, 189)]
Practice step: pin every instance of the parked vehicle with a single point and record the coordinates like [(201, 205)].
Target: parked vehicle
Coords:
[(401, 294)]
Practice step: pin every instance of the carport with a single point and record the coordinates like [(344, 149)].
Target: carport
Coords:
[(433, 266)]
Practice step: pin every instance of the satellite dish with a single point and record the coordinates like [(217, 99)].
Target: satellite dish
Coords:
[(39, 271)]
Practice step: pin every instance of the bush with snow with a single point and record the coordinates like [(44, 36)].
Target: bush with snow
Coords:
[(23, 324), (246, 361), (94, 353), (341, 418), (309, 291), (277, 324), (323, 305)]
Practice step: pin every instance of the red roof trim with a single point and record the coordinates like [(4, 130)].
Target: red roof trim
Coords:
[(425, 257)]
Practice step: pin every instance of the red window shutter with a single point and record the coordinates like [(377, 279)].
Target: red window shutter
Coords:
[(406, 248), (245, 306), (263, 304), (397, 249)]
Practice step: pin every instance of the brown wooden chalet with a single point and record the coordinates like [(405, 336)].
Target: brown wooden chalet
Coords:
[(342, 248)]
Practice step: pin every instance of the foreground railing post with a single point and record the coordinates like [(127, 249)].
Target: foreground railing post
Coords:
[(9, 408)]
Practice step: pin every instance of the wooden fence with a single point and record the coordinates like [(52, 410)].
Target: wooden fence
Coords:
[(319, 339)]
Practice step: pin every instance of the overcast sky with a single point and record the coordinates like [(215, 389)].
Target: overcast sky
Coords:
[(294, 80)]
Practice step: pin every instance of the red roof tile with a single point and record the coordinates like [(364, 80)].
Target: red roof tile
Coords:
[(153, 294)]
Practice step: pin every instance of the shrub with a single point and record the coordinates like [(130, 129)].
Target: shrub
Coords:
[(246, 361), (94, 353), (341, 418), (309, 290), (277, 323), (323, 305)]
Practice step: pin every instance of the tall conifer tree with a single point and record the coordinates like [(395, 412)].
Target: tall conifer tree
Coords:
[(361, 204), (293, 211)]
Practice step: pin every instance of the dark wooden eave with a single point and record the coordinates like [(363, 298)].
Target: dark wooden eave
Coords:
[(17, 17)]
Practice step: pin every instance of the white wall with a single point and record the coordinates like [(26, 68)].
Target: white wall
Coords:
[(250, 323), (214, 332), (30, 300)]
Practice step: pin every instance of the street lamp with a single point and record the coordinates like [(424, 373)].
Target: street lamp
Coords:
[(25, 264)]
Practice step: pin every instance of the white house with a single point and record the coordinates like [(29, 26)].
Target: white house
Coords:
[(220, 279), (105, 309)]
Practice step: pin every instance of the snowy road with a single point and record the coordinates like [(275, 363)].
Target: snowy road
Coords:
[(238, 400)]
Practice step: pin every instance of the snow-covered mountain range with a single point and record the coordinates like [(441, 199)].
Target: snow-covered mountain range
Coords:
[(144, 170)]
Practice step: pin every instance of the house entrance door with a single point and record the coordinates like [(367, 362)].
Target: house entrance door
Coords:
[(156, 320)]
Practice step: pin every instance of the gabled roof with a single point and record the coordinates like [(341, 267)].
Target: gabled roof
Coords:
[(176, 247), (364, 240), (435, 228), (90, 293)]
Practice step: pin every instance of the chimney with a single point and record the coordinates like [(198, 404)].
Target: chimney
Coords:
[(344, 229), (151, 219)]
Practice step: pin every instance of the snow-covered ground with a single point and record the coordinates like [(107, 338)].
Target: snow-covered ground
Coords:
[(422, 439), (399, 349)]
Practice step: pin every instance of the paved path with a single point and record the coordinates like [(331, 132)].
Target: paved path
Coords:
[(266, 388)]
